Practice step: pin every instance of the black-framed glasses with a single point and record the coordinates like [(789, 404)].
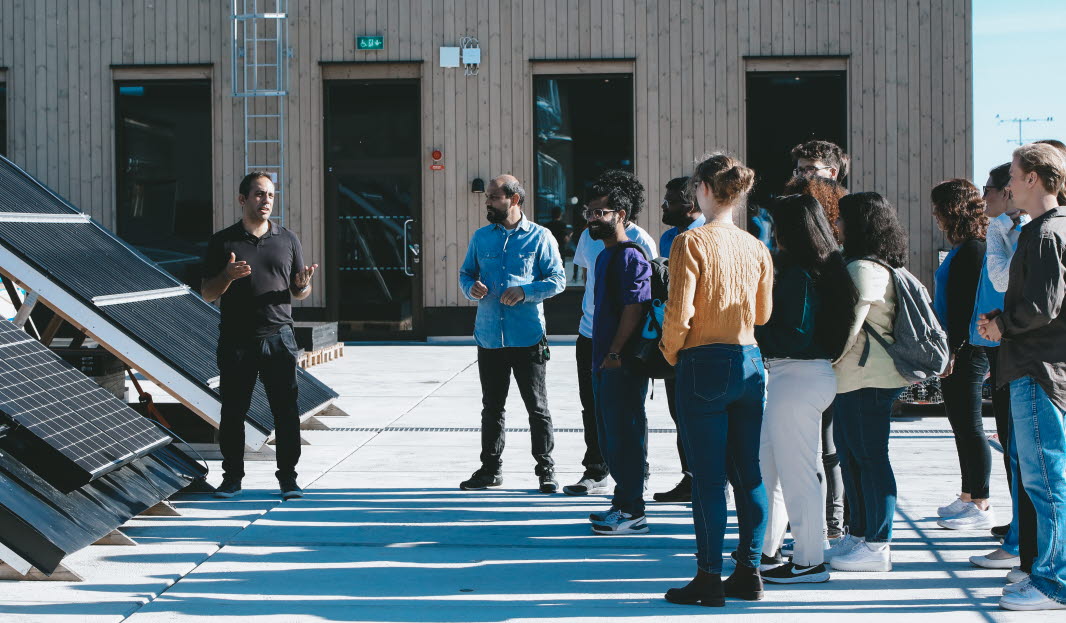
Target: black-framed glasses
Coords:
[(597, 213), (809, 170)]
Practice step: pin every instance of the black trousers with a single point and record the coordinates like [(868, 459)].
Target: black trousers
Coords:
[(495, 366), (835, 509), (240, 364), (962, 399), (594, 463)]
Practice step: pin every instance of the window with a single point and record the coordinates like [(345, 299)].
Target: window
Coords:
[(163, 165), (583, 126)]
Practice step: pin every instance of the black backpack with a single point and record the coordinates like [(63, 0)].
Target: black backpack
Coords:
[(643, 346)]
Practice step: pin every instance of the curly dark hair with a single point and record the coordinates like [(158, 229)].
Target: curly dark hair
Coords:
[(806, 240), (828, 193), (960, 210), (622, 190), (872, 229), (827, 152)]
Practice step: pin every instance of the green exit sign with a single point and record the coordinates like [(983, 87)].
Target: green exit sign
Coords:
[(370, 43)]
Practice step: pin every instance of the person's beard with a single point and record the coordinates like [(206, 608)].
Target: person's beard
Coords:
[(600, 230), (494, 216), (673, 219)]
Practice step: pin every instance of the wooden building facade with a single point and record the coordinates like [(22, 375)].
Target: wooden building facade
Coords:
[(659, 82)]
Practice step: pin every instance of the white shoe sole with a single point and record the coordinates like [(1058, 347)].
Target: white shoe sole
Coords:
[(226, 496), (947, 524), (1047, 604), (620, 532), (992, 563), (814, 578), (864, 566)]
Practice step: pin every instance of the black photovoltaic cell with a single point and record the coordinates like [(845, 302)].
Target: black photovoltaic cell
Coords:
[(89, 261), (68, 411)]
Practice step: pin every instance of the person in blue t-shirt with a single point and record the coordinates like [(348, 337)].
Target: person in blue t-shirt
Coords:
[(623, 287), (684, 214)]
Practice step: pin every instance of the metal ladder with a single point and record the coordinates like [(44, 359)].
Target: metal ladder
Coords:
[(260, 78)]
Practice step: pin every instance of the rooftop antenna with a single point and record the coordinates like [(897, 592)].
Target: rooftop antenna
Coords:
[(1021, 121)]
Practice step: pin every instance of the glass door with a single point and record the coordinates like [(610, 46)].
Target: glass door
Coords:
[(374, 235)]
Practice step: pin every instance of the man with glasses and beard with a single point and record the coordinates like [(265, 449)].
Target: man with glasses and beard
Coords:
[(623, 286), (512, 265), (684, 214)]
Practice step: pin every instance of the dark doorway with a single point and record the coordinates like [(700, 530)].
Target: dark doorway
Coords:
[(583, 125), (373, 208), (785, 109), (163, 167)]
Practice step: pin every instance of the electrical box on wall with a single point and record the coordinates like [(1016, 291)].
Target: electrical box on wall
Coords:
[(449, 57)]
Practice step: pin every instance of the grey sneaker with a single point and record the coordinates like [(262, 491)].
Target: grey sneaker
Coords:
[(588, 486), (619, 523)]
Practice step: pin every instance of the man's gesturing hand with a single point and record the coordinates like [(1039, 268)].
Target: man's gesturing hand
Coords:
[(235, 270), (478, 290), (303, 278)]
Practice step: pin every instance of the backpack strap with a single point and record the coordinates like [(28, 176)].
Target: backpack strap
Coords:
[(871, 332)]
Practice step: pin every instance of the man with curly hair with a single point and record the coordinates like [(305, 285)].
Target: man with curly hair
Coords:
[(623, 286), (820, 158)]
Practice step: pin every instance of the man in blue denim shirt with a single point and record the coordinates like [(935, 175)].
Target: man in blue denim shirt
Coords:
[(511, 266)]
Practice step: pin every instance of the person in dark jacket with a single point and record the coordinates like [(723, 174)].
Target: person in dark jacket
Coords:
[(1032, 333), (960, 213), (813, 308)]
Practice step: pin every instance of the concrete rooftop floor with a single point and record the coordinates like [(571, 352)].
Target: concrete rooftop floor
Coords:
[(384, 534)]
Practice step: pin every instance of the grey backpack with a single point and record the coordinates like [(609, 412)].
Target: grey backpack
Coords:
[(920, 349)]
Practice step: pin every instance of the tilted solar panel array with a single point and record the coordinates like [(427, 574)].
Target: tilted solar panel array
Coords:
[(77, 419), (88, 261)]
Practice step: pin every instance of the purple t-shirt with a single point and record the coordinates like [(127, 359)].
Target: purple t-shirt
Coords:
[(623, 277)]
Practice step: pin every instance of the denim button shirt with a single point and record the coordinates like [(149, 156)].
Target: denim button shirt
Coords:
[(526, 256)]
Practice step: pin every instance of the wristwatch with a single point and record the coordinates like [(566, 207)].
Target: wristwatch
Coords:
[(614, 356)]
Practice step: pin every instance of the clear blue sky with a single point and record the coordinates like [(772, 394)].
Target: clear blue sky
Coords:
[(1019, 70)]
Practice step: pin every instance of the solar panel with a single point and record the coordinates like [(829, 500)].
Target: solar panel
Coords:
[(87, 426), (124, 300)]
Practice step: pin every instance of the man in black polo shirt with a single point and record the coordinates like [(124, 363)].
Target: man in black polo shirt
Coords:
[(257, 268)]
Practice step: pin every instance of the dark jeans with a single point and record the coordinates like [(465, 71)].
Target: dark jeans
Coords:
[(861, 420), (721, 394), (962, 400), (595, 465), (495, 366), (623, 431), (1001, 409), (671, 403), (834, 482), (240, 364)]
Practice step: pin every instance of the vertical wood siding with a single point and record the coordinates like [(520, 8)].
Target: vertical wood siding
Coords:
[(908, 62)]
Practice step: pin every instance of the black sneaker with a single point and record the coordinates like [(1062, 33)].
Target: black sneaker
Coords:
[(481, 480), (682, 492), (548, 484), (765, 563), (1000, 532), (790, 573), (228, 488), (289, 489)]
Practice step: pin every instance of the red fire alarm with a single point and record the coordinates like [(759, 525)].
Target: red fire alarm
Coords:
[(437, 165)]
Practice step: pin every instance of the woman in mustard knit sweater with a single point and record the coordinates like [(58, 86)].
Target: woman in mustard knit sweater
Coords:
[(721, 281)]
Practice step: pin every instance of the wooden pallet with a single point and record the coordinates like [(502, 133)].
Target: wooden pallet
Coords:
[(322, 355)]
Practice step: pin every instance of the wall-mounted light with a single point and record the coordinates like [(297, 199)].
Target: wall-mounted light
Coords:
[(477, 186)]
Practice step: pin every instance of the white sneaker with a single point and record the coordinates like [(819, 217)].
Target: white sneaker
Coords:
[(971, 518), (952, 509), (841, 546), (1003, 560), (1029, 598), (1016, 575), (1016, 587), (863, 558)]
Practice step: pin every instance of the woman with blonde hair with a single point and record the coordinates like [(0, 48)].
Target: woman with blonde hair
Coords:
[(721, 279)]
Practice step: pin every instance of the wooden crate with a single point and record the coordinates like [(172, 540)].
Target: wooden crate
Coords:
[(322, 355)]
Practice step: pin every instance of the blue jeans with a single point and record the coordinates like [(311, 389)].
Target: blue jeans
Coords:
[(622, 428), (862, 421), (721, 393), (1040, 437)]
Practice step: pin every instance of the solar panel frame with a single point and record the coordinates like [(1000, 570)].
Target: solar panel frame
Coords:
[(53, 256)]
